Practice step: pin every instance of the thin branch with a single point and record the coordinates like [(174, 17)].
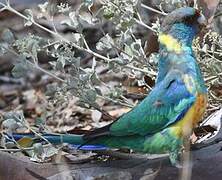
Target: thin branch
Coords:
[(2, 9), (9, 8), (87, 49), (84, 41), (2, 4), (140, 21), (212, 77), (106, 59), (143, 24), (126, 156), (152, 9), (217, 15), (62, 80), (30, 129), (23, 149), (36, 66), (46, 72), (114, 101)]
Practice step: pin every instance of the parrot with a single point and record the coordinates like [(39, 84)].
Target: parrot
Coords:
[(166, 117)]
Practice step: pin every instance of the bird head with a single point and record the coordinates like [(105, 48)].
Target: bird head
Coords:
[(181, 25), (187, 16)]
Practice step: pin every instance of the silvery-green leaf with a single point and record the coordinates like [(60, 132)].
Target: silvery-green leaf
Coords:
[(128, 50), (84, 77), (51, 89), (20, 70), (88, 2), (10, 145), (29, 45), (137, 48), (74, 72), (17, 116), (108, 13), (126, 21), (105, 43), (39, 121), (7, 36), (29, 15), (50, 151), (63, 8), (10, 124), (96, 116), (126, 37), (75, 21), (91, 95), (38, 149), (66, 22), (123, 59), (95, 79), (61, 62), (9, 115), (116, 93), (82, 104), (111, 65), (43, 7), (52, 8), (75, 61), (100, 46), (2, 50), (38, 153), (205, 48), (77, 39), (73, 82)]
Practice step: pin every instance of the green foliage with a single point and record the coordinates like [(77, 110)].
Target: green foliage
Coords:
[(121, 13), (119, 51), (7, 36), (29, 46)]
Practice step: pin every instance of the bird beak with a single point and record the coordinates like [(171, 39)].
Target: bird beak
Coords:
[(202, 20)]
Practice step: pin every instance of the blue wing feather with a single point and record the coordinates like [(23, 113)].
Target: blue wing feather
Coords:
[(147, 118)]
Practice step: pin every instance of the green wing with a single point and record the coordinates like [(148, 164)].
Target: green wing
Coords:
[(166, 104)]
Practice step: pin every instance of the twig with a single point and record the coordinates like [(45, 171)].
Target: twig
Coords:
[(46, 72), (106, 59), (114, 101), (30, 129), (87, 49), (152, 9), (127, 156), (36, 66), (23, 149), (140, 22), (217, 15)]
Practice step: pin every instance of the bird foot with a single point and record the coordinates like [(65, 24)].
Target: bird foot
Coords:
[(174, 159)]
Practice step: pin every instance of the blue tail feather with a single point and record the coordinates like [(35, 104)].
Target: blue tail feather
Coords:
[(51, 138)]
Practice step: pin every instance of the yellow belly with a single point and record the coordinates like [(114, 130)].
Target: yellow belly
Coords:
[(194, 115)]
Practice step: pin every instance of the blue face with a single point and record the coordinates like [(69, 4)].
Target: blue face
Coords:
[(185, 11), (183, 24), (184, 33)]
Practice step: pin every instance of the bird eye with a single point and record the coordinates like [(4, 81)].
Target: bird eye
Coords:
[(196, 17), (197, 12)]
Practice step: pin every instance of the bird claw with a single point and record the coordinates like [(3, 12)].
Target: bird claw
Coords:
[(178, 165)]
